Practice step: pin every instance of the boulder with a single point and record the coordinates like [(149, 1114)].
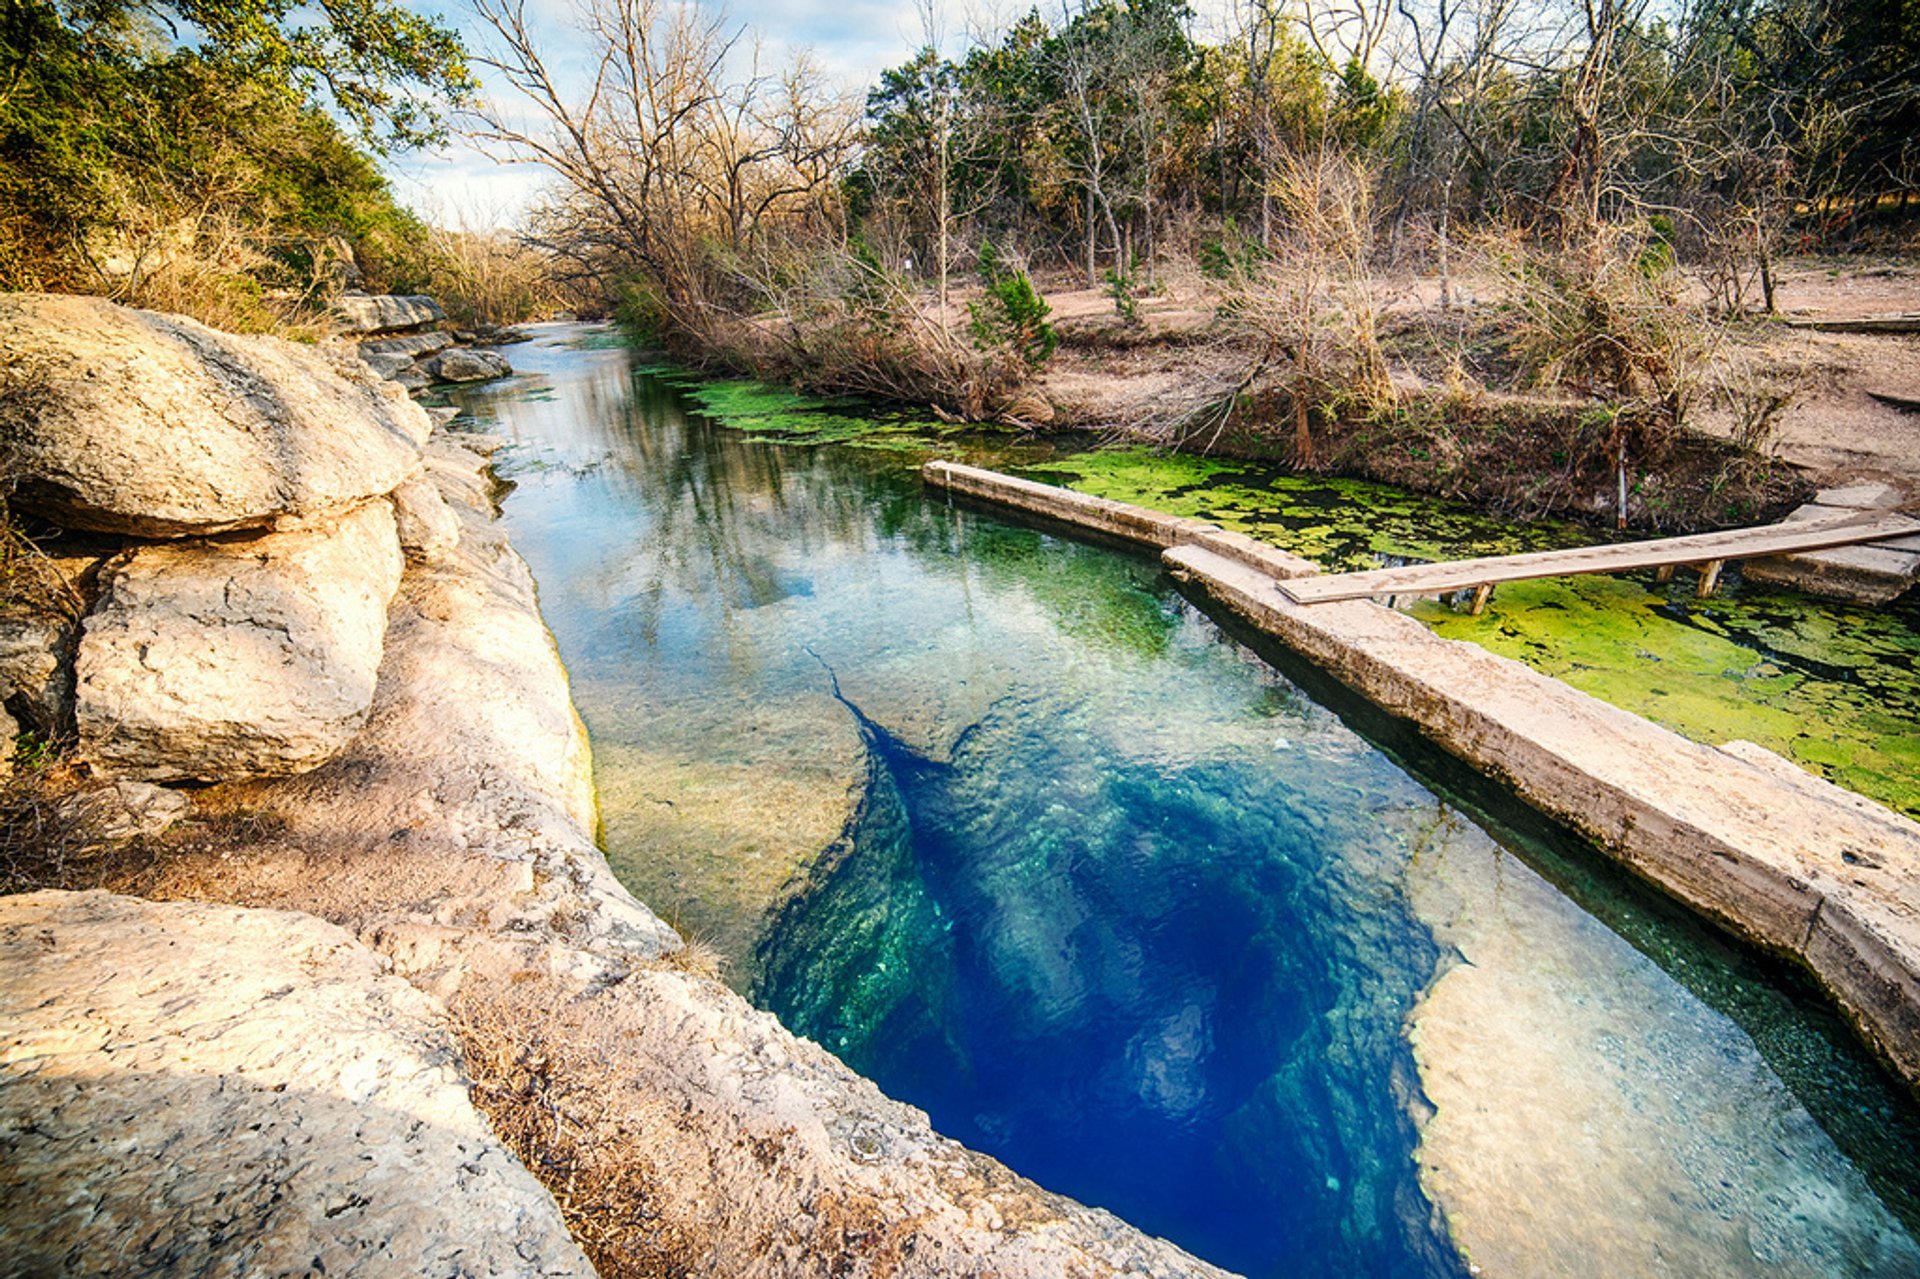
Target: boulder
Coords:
[(222, 660), (387, 366), (411, 345), (459, 365), (36, 671), (198, 1090), (123, 810), (153, 425), (428, 527), (412, 379), (381, 312)]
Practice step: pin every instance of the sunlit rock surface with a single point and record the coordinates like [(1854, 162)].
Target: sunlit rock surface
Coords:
[(216, 660), (380, 312), (200, 1090), (154, 425)]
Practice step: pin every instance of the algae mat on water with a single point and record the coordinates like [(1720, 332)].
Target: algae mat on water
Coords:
[(1834, 688)]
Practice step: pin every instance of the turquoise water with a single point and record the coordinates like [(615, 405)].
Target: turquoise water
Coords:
[(1018, 831)]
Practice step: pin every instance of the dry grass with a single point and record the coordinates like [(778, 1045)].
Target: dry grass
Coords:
[(555, 1108), (43, 844)]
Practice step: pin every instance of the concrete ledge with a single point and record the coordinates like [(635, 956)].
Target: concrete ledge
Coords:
[(1786, 859)]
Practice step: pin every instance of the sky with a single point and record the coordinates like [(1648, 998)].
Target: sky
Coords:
[(853, 40)]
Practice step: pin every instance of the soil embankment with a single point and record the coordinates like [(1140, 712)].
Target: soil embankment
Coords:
[(1834, 408)]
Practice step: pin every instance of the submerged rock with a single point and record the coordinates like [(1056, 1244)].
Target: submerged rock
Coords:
[(133, 422), (460, 365), (189, 1089), (219, 660)]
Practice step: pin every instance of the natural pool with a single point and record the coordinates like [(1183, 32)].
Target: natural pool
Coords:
[(1019, 832)]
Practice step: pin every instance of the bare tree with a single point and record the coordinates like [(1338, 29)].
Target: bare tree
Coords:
[(671, 162)]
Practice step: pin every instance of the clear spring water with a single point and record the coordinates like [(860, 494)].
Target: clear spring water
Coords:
[(1020, 833)]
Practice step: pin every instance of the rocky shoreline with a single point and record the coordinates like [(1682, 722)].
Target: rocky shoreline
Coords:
[(328, 642)]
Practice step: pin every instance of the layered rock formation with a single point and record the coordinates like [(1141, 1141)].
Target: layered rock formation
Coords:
[(132, 422), (400, 341), (442, 812), (216, 660)]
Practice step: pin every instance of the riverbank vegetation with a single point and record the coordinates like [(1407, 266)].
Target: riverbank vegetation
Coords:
[(217, 158), (1586, 201), (1515, 253)]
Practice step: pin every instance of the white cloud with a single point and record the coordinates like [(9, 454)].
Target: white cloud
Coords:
[(852, 40)]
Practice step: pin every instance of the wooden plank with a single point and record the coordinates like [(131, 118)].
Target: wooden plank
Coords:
[(1619, 557), (1903, 322)]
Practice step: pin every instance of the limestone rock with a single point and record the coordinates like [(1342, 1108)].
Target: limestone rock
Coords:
[(411, 345), (222, 660), (379, 312), (460, 365), (124, 810), (412, 379), (36, 654), (387, 366), (198, 1090), (453, 835), (428, 526), (153, 425)]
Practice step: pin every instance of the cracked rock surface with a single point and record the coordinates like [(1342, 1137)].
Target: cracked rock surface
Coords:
[(220, 660), (152, 425), (198, 1090)]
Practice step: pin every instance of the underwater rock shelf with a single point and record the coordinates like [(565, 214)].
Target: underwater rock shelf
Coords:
[(1786, 859)]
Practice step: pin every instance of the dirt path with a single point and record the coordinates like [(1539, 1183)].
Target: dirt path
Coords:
[(1830, 423)]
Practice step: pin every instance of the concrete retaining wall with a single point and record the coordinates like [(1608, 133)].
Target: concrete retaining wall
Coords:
[(1786, 859)]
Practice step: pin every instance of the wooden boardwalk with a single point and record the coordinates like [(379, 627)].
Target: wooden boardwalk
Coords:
[(1709, 550)]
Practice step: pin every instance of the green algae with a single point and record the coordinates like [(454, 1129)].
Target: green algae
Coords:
[(1831, 687), (1339, 523), (783, 415)]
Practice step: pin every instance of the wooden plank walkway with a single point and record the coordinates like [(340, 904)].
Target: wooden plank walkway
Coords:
[(1710, 550)]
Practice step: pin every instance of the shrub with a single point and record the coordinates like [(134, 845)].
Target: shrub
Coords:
[(1011, 316)]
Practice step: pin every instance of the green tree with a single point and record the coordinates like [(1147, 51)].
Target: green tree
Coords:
[(162, 162)]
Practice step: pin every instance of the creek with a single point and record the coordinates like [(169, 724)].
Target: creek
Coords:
[(1159, 918)]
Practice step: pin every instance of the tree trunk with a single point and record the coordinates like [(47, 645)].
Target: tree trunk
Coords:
[(944, 203), (1302, 429), (1093, 270)]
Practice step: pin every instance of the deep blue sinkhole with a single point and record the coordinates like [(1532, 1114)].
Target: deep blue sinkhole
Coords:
[(1161, 990)]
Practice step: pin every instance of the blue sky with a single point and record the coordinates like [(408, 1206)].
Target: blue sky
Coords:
[(852, 39)]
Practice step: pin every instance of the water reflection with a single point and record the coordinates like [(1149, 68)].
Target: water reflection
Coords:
[(1015, 829)]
